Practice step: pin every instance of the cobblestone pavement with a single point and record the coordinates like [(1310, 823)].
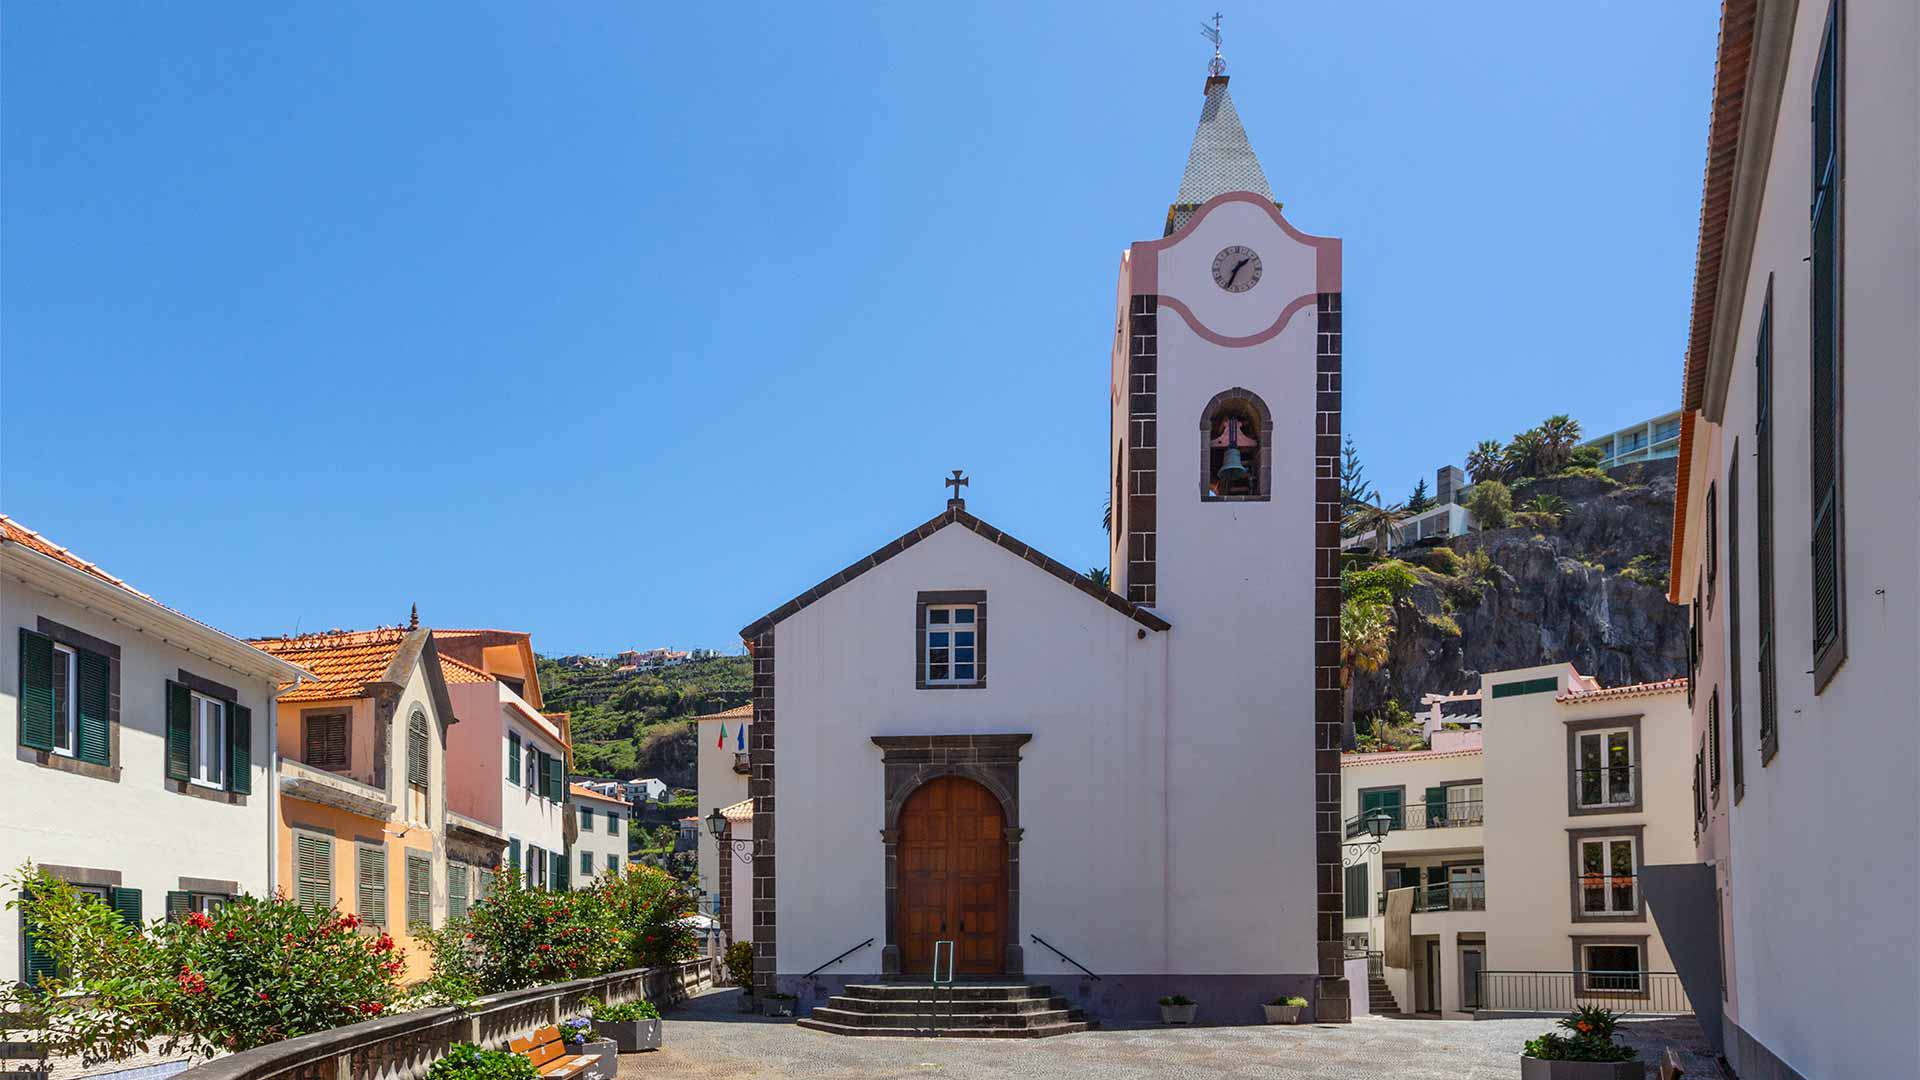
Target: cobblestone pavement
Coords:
[(708, 1039)]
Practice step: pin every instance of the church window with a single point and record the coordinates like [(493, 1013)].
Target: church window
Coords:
[(1236, 457), (951, 640)]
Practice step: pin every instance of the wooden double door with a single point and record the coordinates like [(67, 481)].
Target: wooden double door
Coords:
[(952, 885)]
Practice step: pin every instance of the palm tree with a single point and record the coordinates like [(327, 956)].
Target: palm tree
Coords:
[(1381, 519), (1366, 632), (1106, 516), (1525, 455), (1559, 435), (1485, 461), (1099, 576)]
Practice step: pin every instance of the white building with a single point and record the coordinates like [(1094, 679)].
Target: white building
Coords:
[(144, 743), (1521, 844), (600, 843), (721, 777), (1799, 480), (1091, 789), (1650, 440), (534, 812)]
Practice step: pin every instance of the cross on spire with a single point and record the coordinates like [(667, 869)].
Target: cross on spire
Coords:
[(1218, 65), (956, 482)]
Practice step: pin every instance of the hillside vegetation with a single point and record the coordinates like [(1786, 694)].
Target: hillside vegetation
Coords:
[(639, 723)]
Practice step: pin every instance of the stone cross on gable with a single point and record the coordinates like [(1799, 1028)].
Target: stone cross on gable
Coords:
[(956, 482)]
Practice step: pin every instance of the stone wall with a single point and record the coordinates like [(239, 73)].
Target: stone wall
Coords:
[(401, 1047)]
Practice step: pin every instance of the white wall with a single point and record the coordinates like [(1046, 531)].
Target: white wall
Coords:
[(527, 816), (596, 841), (718, 786), (134, 825)]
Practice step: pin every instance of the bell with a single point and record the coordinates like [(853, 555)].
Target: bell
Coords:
[(1232, 471)]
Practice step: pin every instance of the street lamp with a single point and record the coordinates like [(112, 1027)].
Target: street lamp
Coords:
[(716, 823), (1377, 825)]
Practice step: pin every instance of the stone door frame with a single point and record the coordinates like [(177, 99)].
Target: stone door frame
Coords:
[(910, 761)]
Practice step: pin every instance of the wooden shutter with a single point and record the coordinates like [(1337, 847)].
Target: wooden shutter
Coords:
[(1713, 543), (313, 871), (558, 875), (179, 731), (513, 856), (1436, 807), (417, 750), (178, 904), (513, 757), (419, 893), (1733, 625), (239, 749), (586, 818), (1763, 529), (370, 884), (1356, 891), (557, 780), (326, 742), (1713, 741), (1829, 603), (93, 680), (586, 865), (456, 889), (36, 691), (36, 962), (126, 903)]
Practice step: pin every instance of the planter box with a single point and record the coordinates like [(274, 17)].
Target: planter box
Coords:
[(1178, 1014), (631, 1036), (608, 1064), (749, 1003), (1284, 1014), (1536, 1069), (777, 1006)]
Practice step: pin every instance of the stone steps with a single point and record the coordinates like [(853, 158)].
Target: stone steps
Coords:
[(966, 1010), (1071, 1028)]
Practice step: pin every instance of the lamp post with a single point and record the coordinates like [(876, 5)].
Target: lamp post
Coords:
[(717, 824)]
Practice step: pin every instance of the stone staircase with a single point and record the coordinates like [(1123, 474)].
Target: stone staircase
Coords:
[(977, 1011), (1380, 1000)]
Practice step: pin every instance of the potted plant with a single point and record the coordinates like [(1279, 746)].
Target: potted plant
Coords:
[(582, 1039), (1177, 1009), (740, 973), (465, 1061), (778, 1004), (1284, 1010), (1589, 1053), (633, 1027)]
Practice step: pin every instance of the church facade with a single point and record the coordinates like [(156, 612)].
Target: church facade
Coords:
[(958, 739)]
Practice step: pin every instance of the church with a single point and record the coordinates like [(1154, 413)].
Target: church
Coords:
[(964, 753)]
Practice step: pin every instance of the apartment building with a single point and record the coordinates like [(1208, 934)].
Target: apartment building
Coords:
[(1516, 849), (1654, 439), (1799, 478), (721, 776), (600, 843), (139, 774)]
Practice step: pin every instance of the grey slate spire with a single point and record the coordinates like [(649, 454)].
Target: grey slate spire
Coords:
[(1221, 159)]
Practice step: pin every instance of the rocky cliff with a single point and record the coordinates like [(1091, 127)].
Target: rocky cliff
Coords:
[(1552, 593)]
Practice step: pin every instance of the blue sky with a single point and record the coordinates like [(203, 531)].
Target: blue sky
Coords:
[(624, 323)]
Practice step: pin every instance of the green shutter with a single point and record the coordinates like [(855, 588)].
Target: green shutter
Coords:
[(541, 781), (513, 855), (36, 691), (370, 884), (36, 963), (178, 904), (179, 731), (94, 681), (557, 875), (586, 865), (419, 893), (456, 889), (417, 741), (126, 903), (586, 818), (513, 757), (557, 784), (1545, 685), (313, 872), (239, 749), (1436, 807)]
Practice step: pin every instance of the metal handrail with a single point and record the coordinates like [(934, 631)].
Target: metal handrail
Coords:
[(1064, 956), (837, 959)]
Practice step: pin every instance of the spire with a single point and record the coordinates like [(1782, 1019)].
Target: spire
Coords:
[(1221, 159), (413, 619)]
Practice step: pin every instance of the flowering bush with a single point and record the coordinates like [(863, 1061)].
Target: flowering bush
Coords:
[(254, 972), (465, 1061), (740, 964), (1592, 1039)]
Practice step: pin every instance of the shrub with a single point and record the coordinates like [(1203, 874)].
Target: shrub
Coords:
[(1646, 570), (1391, 577), (623, 1013), (740, 964), (1491, 504), (465, 1061), (1295, 1002), (1586, 473), (1176, 1000), (1592, 1039), (1440, 560), (1444, 624), (254, 972)]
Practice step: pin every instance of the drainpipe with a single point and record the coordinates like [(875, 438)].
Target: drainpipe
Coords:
[(273, 783)]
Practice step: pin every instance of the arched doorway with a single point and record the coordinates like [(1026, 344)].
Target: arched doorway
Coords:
[(953, 877)]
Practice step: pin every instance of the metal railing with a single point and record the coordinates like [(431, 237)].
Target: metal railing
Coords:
[(1453, 815), (837, 959), (1607, 894), (1629, 993), (1049, 946), (1445, 896), (1607, 785)]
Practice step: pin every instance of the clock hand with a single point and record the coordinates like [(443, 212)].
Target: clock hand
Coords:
[(1236, 270)]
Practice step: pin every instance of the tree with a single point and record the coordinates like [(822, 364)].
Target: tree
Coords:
[(1366, 633), (1487, 461), (1419, 501), (1383, 520), (1491, 504), (1106, 516), (1354, 489), (1559, 435), (1525, 455), (1099, 576)]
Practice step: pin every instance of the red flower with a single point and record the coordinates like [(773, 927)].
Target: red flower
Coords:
[(394, 966), (198, 920), (350, 921), (263, 995), (546, 948), (230, 935), (191, 981), (384, 943), (371, 1008)]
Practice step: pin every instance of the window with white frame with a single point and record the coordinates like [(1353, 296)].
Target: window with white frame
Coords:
[(1605, 760), (208, 729), (1608, 884), (1464, 804), (66, 675), (951, 645), (1612, 968)]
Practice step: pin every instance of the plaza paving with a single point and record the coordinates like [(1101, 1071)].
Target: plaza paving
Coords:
[(708, 1039)]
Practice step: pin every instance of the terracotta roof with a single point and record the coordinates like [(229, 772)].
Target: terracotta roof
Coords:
[(13, 531), (740, 811), (459, 671), (1388, 757), (738, 712), (1731, 65), (588, 793), (956, 514), (343, 661), (1645, 689)]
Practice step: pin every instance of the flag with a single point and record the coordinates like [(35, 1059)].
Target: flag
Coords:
[(721, 743), (741, 734)]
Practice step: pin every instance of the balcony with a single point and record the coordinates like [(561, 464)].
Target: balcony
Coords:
[(1553, 993), (741, 764), (1608, 787), (302, 781), (1453, 815), (1444, 896), (1604, 895)]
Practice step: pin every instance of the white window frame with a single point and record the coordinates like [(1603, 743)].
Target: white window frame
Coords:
[(1608, 796), (1471, 799), (947, 627), (1606, 845), (66, 716), (207, 727), (1587, 969)]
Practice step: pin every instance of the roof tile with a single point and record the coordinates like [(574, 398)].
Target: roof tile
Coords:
[(342, 661)]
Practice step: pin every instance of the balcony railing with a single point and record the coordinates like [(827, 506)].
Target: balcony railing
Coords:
[(741, 763), (1607, 894), (1632, 993), (1445, 896), (1453, 815), (1606, 786)]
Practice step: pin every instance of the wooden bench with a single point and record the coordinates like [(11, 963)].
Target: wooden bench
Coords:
[(548, 1052), (1670, 1067)]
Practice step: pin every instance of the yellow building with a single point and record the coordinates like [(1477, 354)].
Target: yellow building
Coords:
[(361, 756)]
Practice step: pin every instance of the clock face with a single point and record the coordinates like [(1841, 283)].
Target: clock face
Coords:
[(1237, 268)]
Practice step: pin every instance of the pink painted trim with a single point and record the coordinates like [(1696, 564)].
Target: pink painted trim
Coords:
[(1326, 269)]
